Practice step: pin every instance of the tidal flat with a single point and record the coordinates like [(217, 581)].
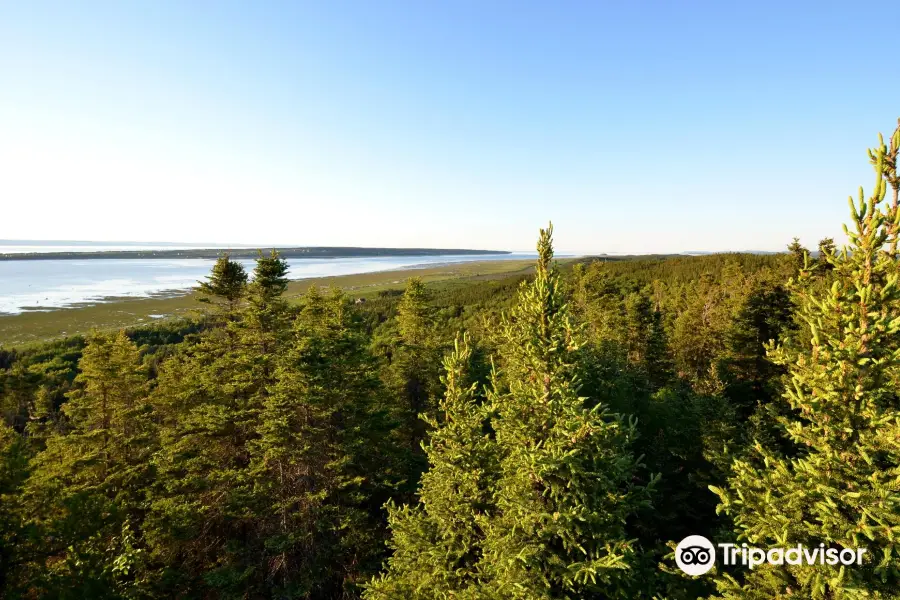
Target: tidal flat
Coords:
[(120, 312)]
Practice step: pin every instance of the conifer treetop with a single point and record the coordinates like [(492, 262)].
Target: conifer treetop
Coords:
[(835, 481), (227, 281)]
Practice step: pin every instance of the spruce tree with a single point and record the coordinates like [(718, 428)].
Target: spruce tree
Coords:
[(567, 479), (700, 331), (269, 281), (226, 283), (638, 319), (597, 301), (437, 544), (263, 327), (645, 340), (764, 315), (838, 483), (319, 456), (798, 255), (530, 493), (826, 249), (43, 419), (14, 459), (17, 387), (223, 289), (87, 491), (659, 360), (209, 398), (415, 362)]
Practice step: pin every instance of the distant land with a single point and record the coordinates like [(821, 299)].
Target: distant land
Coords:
[(245, 252), (4, 242), (663, 256), (706, 252)]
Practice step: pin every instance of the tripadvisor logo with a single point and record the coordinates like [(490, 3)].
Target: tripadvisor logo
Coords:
[(696, 555)]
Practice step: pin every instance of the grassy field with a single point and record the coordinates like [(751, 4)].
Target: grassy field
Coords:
[(126, 312)]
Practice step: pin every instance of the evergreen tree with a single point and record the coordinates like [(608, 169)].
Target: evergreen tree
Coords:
[(437, 544), (269, 283), (639, 318), (533, 502), (659, 360), (415, 362), (87, 490), (826, 249), (201, 511), (764, 315), (209, 398), (566, 480), (43, 420), (598, 302), (320, 455), (18, 387), (798, 255), (264, 326), (645, 340), (14, 458), (700, 331), (838, 487), (226, 284)]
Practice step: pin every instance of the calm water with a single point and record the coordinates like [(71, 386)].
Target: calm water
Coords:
[(48, 284), (19, 247)]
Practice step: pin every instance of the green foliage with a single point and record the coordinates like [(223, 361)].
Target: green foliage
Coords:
[(566, 481), (320, 454), (276, 442), (437, 543), (274, 446), (226, 284), (528, 493), (798, 254), (51, 368), (839, 485), (210, 397), (414, 374), (763, 316), (13, 473), (700, 330), (826, 249), (91, 481)]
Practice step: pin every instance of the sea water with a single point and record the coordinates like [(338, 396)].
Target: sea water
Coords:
[(28, 285)]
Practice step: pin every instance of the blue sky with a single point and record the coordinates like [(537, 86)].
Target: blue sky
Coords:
[(635, 127)]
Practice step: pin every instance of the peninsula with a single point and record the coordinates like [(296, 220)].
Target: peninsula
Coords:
[(295, 252)]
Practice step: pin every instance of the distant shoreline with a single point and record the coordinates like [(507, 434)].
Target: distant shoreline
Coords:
[(112, 312), (213, 253)]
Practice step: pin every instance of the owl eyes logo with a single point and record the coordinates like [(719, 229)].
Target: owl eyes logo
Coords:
[(695, 555)]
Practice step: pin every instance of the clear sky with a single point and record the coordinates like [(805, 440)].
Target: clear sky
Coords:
[(634, 126)]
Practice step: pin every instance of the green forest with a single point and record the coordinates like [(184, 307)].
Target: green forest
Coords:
[(542, 436)]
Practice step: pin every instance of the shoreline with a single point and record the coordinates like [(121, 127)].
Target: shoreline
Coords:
[(310, 252), (186, 290), (131, 311)]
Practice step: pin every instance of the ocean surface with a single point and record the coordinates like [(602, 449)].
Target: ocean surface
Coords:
[(35, 285), (20, 247)]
